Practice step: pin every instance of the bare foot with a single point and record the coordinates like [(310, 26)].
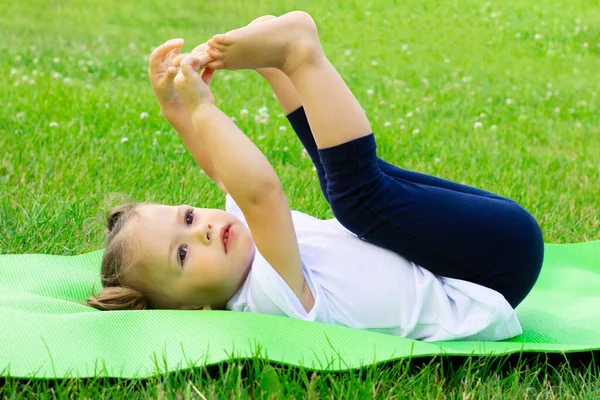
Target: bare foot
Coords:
[(285, 43), (268, 71)]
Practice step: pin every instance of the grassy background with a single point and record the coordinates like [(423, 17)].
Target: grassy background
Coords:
[(500, 95)]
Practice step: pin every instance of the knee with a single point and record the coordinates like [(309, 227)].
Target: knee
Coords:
[(349, 213)]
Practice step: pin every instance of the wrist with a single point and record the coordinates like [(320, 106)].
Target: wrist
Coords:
[(201, 109)]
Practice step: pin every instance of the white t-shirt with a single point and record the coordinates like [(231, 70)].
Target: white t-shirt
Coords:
[(363, 286)]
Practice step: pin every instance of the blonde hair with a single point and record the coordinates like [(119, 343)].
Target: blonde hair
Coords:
[(117, 263)]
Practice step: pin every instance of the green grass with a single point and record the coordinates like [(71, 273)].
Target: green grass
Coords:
[(73, 83)]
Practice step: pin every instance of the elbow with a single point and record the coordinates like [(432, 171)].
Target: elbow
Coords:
[(266, 191)]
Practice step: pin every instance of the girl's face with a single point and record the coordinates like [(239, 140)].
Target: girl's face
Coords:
[(185, 262)]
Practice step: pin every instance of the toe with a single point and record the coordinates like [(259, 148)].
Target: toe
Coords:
[(217, 45), (218, 64), (214, 53), (222, 39)]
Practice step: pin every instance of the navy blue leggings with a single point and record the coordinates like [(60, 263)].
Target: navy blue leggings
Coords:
[(452, 230)]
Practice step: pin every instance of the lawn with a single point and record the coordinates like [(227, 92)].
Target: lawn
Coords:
[(501, 95)]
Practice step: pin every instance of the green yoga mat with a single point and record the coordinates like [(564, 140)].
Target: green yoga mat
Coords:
[(45, 334)]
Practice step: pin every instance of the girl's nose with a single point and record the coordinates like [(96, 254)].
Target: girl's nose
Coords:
[(204, 232)]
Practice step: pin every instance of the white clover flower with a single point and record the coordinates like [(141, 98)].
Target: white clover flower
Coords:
[(489, 99), (261, 119), (56, 75), (25, 78), (482, 115), (282, 128), (56, 60), (304, 153), (404, 47), (17, 58), (67, 81), (447, 60), (348, 52), (509, 102), (557, 110), (477, 125), (144, 115), (243, 112), (286, 148), (314, 168), (493, 127), (13, 71), (125, 139), (402, 127), (578, 124), (261, 137), (158, 133), (387, 124), (538, 36), (518, 35), (53, 124), (415, 131), (374, 63), (409, 114), (34, 72), (370, 92), (437, 160), (31, 82), (36, 60), (233, 119), (263, 110)]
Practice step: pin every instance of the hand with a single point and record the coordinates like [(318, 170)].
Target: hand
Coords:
[(192, 87), (162, 68)]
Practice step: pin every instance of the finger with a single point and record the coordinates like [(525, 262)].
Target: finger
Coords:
[(190, 64), (177, 60), (217, 64), (201, 48), (171, 73), (163, 49), (207, 75)]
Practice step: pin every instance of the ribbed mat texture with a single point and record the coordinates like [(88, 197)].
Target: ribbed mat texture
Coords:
[(44, 333)]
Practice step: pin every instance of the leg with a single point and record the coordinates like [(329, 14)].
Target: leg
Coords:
[(291, 44), (486, 240), (292, 106), (489, 241)]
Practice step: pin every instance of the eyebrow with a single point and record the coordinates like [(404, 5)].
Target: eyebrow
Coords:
[(172, 244)]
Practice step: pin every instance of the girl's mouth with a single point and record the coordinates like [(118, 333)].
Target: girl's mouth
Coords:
[(227, 237)]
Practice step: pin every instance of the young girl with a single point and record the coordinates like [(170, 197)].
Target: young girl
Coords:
[(408, 254)]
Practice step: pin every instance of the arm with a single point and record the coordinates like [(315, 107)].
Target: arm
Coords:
[(256, 189), (247, 174), (162, 68), (180, 121)]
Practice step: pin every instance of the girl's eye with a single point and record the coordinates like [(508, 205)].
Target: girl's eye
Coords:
[(179, 253), (189, 216)]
